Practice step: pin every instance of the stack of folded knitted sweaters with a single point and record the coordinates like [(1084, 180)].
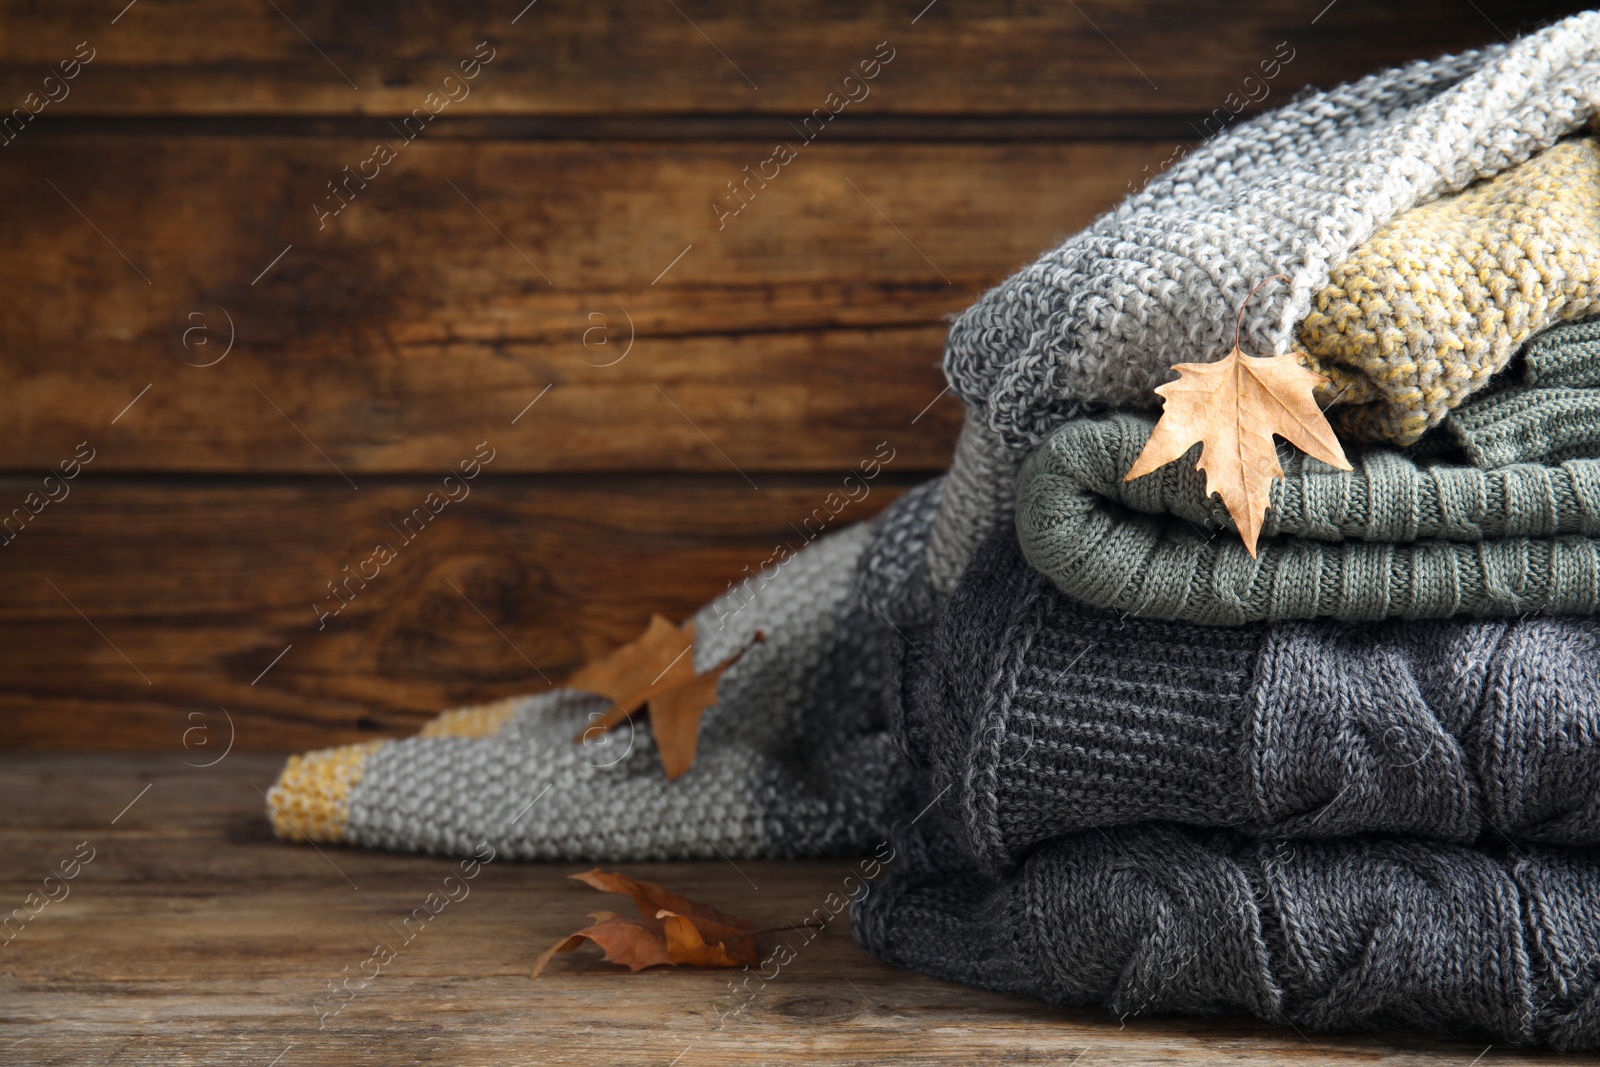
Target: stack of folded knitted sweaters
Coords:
[(1353, 782)]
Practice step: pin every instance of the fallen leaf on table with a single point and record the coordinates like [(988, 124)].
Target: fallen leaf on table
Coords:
[(626, 941), (671, 929), (655, 671), (686, 945), (1232, 408), (651, 900)]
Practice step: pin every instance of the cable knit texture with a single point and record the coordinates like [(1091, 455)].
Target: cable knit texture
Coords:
[(1034, 716), (1401, 535), (1356, 933), (1158, 280), (1422, 314)]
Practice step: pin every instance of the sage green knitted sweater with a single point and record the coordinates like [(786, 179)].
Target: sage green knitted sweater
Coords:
[(1554, 414), (1411, 533)]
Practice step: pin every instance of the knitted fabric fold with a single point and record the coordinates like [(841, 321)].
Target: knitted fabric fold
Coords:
[(1160, 278), (1100, 320), (1425, 312), (1403, 535), (1351, 934), (1390, 539), (1551, 414), (1032, 716), (794, 758)]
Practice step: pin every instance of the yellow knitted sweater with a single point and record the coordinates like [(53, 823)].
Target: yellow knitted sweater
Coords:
[(1422, 315)]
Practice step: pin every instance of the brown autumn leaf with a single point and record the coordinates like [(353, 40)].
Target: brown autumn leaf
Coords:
[(638, 664), (652, 899), (1232, 408), (675, 718), (626, 941), (660, 663), (655, 670), (671, 929), (686, 945)]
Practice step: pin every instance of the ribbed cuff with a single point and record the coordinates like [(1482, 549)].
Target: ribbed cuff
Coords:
[(1567, 355), (1528, 425), (1041, 716)]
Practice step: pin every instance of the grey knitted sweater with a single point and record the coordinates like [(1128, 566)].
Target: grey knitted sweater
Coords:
[(1159, 279), (1052, 739), (1354, 933), (1035, 715)]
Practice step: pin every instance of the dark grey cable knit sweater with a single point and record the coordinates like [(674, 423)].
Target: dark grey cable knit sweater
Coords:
[(1356, 933), (1058, 736), (1045, 716)]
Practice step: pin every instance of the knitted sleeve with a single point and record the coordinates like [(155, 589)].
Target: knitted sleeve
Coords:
[(1359, 933), (1038, 716)]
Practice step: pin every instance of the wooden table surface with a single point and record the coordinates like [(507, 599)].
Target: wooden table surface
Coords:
[(193, 937)]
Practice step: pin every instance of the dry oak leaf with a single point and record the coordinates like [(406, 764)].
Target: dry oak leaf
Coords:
[(625, 941), (1232, 408), (686, 944), (656, 669), (671, 930)]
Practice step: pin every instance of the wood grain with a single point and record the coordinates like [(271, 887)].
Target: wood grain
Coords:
[(136, 609), (193, 937), (465, 292), (572, 57), (468, 277)]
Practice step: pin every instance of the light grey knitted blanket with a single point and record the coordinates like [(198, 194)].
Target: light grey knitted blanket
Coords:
[(794, 758), (1158, 280)]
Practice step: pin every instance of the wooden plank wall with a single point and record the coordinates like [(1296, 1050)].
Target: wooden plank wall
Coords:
[(258, 342)]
